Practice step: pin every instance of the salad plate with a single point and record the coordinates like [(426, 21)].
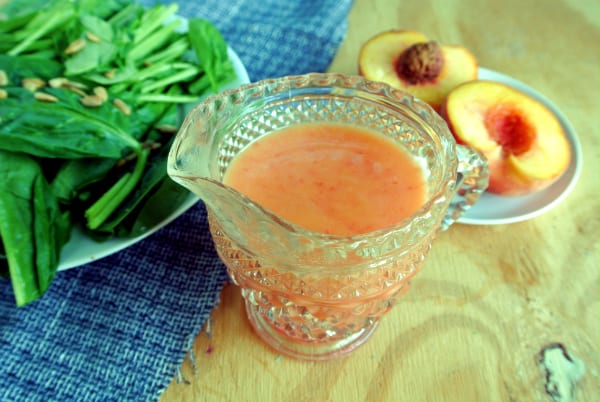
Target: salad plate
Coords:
[(82, 249), (493, 209)]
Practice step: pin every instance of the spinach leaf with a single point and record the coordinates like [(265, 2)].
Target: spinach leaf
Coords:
[(92, 57), (32, 227), (210, 49), (63, 129), (19, 67), (76, 174), (97, 26), (155, 175), (43, 22), (156, 208)]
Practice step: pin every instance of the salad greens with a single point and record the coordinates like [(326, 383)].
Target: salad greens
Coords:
[(90, 98)]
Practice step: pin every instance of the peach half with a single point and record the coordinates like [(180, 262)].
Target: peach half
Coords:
[(525, 144), (409, 61)]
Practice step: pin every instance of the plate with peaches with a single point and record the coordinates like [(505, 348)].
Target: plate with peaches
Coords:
[(533, 151), (532, 172)]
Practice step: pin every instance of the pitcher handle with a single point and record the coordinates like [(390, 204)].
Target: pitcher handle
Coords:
[(472, 180)]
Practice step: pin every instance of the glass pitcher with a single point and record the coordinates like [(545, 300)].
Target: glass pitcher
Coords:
[(311, 295)]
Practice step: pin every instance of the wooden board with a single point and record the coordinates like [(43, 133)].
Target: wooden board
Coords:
[(490, 298)]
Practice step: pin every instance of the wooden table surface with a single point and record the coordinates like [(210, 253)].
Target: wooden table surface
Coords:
[(489, 299)]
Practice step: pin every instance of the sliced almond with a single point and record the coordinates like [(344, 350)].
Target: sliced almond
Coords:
[(32, 84), (44, 97), (122, 106), (58, 82), (152, 145), (75, 84), (75, 46), (126, 159), (3, 78), (77, 91), (166, 128), (101, 92), (93, 38), (91, 101), (62, 82)]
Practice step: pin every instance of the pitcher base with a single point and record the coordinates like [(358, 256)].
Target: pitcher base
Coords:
[(314, 351)]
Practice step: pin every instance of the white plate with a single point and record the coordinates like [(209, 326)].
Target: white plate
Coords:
[(81, 249), (493, 209)]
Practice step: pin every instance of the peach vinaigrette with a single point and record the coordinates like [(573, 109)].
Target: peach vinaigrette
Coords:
[(330, 178)]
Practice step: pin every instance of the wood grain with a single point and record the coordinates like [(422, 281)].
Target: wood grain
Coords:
[(489, 298)]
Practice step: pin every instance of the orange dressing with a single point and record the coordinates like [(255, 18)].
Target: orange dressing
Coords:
[(330, 178)]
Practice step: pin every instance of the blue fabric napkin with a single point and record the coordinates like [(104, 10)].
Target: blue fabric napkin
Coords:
[(119, 328)]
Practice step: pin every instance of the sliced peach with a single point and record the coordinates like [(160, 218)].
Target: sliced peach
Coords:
[(525, 144), (409, 61)]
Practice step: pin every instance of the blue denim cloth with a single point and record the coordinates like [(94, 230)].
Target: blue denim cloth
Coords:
[(119, 328)]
